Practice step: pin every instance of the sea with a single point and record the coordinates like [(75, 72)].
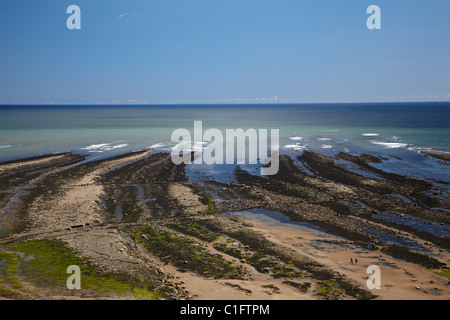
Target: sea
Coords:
[(395, 131)]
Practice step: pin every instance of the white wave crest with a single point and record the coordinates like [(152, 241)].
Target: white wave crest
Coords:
[(420, 150), (96, 146), (390, 145), (103, 147), (295, 147), (123, 145), (156, 146), (370, 134)]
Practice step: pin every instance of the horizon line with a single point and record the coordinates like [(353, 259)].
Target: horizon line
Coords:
[(211, 103)]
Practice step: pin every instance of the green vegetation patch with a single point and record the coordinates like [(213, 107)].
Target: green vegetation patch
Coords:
[(185, 254), (412, 256), (205, 199), (195, 230), (273, 289), (262, 262), (238, 287), (328, 290), (9, 280), (130, 210), (444, 271), (303, 287), (122, 203), (46, 263)]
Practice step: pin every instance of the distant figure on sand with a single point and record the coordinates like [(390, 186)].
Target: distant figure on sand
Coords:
[(356, 260), (351, 260)]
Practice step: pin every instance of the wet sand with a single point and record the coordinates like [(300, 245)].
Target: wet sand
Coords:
[(399, 280)]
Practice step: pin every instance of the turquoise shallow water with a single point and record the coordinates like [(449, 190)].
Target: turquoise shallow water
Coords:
[(394, 130)]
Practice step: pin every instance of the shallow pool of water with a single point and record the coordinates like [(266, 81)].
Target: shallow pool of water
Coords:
[(431, 227), (276, 219)]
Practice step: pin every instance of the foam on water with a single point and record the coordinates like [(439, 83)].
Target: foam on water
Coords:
[(370, 134), (188, 146), (156, 146), (103, 147), (419, 150), (390, 145), (295, 147), (96, 146)]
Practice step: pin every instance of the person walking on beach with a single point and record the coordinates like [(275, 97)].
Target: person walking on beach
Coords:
[(356, 260), (351, 260)]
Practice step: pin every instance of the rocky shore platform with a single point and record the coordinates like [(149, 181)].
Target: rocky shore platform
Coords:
[(139, 228)]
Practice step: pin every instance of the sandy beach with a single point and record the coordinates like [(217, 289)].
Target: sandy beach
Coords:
[(137, 220)]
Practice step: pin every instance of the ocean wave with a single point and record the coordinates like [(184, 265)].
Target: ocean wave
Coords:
[(199, 146), (96, 146), (324, 139), (123, 145), (295, 147), (390, 145), (5, 146), (420, 150), (370, 134), (326, 146), (156, 146), (103, 147), (188, 146), (296, 138)]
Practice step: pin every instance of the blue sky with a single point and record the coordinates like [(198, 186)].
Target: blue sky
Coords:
[(218, 51)]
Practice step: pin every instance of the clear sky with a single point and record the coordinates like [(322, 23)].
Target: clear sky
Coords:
[(203, 51)]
